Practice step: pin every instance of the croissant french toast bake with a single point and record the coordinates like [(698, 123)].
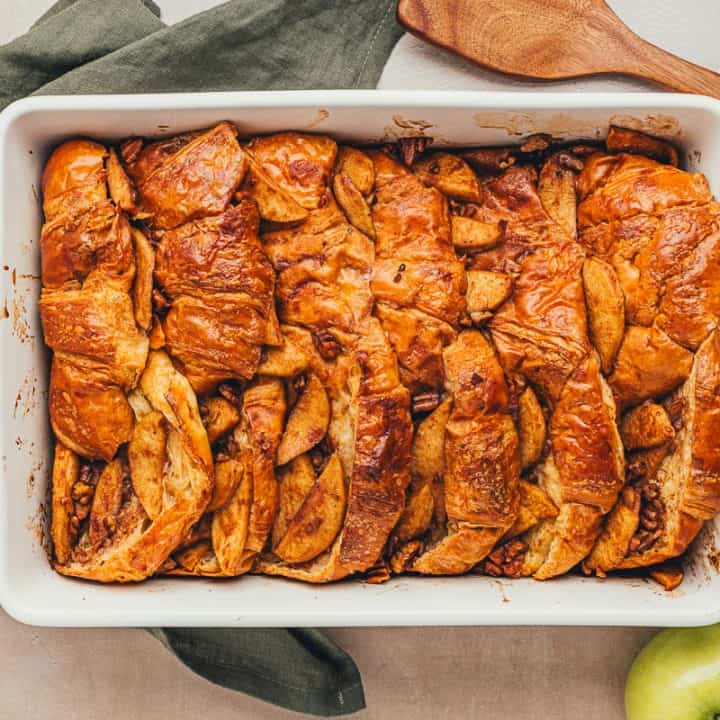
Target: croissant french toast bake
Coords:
[(291, 357)]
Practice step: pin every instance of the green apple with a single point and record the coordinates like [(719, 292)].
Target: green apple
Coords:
[(676, 677)]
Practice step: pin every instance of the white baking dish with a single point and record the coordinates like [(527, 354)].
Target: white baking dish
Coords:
[(31, 592)]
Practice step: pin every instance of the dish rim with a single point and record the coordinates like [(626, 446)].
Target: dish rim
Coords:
[(276, 100)]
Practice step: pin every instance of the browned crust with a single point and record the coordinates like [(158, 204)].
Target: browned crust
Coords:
[(219, 282), (380, 475), (174, 190), (140, 546), (585, 441), (482, 460), (459, 551), (573, 534), (702, 492), (620, 525)]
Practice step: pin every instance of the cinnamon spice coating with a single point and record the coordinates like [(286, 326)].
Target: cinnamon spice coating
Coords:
[(282, 356)]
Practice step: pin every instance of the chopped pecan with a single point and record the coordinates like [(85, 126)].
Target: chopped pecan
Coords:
[(513, 568), (377, 574), (497, 556), (675, 406), (425, 402), (169, 564), (318, 458), (584, 150), (463, 209), (327, 345), (231, 392), (404, 555), (81, 490), (648, 523), (506, 560), (130, 149), (652, 516), (536, 143), (570, 162), (490, 160), (411, 147), (89, 475), (647, 539), (515, 549), (299, 383)]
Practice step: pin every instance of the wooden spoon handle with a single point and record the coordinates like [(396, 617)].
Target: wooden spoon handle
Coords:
[(648, 61)]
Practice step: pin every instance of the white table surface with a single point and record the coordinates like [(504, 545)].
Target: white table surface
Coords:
[(428, 673)]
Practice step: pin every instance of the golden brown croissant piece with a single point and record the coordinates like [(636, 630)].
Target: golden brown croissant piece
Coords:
[(216, 282), (674, 487), (241, 527), (418, 283), (540, 332), (103, 527), (322, 269), (296, 166), (478, 452), (219, 283), (186, 177), (88, 268), (323, 291), (658, 230), (372, 430)]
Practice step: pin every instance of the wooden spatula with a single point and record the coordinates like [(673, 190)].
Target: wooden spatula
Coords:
[(549, 40)]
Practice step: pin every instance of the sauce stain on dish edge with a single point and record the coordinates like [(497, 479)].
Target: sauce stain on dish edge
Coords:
[(561, 124)]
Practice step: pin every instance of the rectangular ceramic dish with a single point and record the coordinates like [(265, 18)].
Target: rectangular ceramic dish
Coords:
[(29, 589)]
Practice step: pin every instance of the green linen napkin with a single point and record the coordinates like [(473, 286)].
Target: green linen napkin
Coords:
[(122, 46), (300, 669)]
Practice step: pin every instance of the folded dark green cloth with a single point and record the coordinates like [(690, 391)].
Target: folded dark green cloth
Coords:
[(300, 669), (122, 46)]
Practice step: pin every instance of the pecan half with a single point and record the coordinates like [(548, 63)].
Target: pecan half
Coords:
[(231, 393), (425, 402), (536, 143), (463, 209), (411, 147), (327, 345), (490, 160), (377, 574), (570, 162)]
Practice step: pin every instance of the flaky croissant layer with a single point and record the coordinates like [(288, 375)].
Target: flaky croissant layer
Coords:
[(289, 357)]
